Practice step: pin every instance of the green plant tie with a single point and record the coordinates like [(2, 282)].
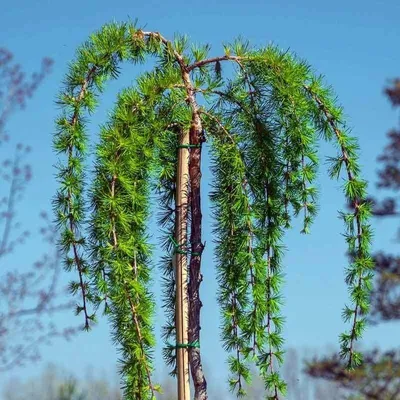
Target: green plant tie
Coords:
[(177, 248), (190, 345)]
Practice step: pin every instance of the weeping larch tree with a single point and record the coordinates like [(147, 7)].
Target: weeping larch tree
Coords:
[(262, 124)]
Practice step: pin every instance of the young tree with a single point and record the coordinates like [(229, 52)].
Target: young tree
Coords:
[(262, 126), (386, 294), (29, 296), (379, 376)]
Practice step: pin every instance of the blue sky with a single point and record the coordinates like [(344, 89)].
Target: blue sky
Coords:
[(354, 44)]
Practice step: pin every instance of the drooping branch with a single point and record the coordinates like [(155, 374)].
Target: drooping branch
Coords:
[(71, 200), (120, 196), (359, 275), (232, 213)]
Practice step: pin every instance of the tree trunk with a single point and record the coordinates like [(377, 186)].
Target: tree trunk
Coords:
[(196, 138)]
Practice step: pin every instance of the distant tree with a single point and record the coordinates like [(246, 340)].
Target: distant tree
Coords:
[(377, 379), (379, 376), (57, 384), (386, 294), (28, 296)]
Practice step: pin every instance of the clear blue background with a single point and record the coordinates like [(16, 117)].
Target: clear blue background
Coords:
[(353, 43)]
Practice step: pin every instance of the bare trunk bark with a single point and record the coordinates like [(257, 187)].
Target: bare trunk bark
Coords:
[(196, 138)]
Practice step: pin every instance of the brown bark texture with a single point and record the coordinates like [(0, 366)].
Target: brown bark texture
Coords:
[(196, 138)]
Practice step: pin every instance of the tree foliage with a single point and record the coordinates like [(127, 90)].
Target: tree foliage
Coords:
[(262, 124)]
